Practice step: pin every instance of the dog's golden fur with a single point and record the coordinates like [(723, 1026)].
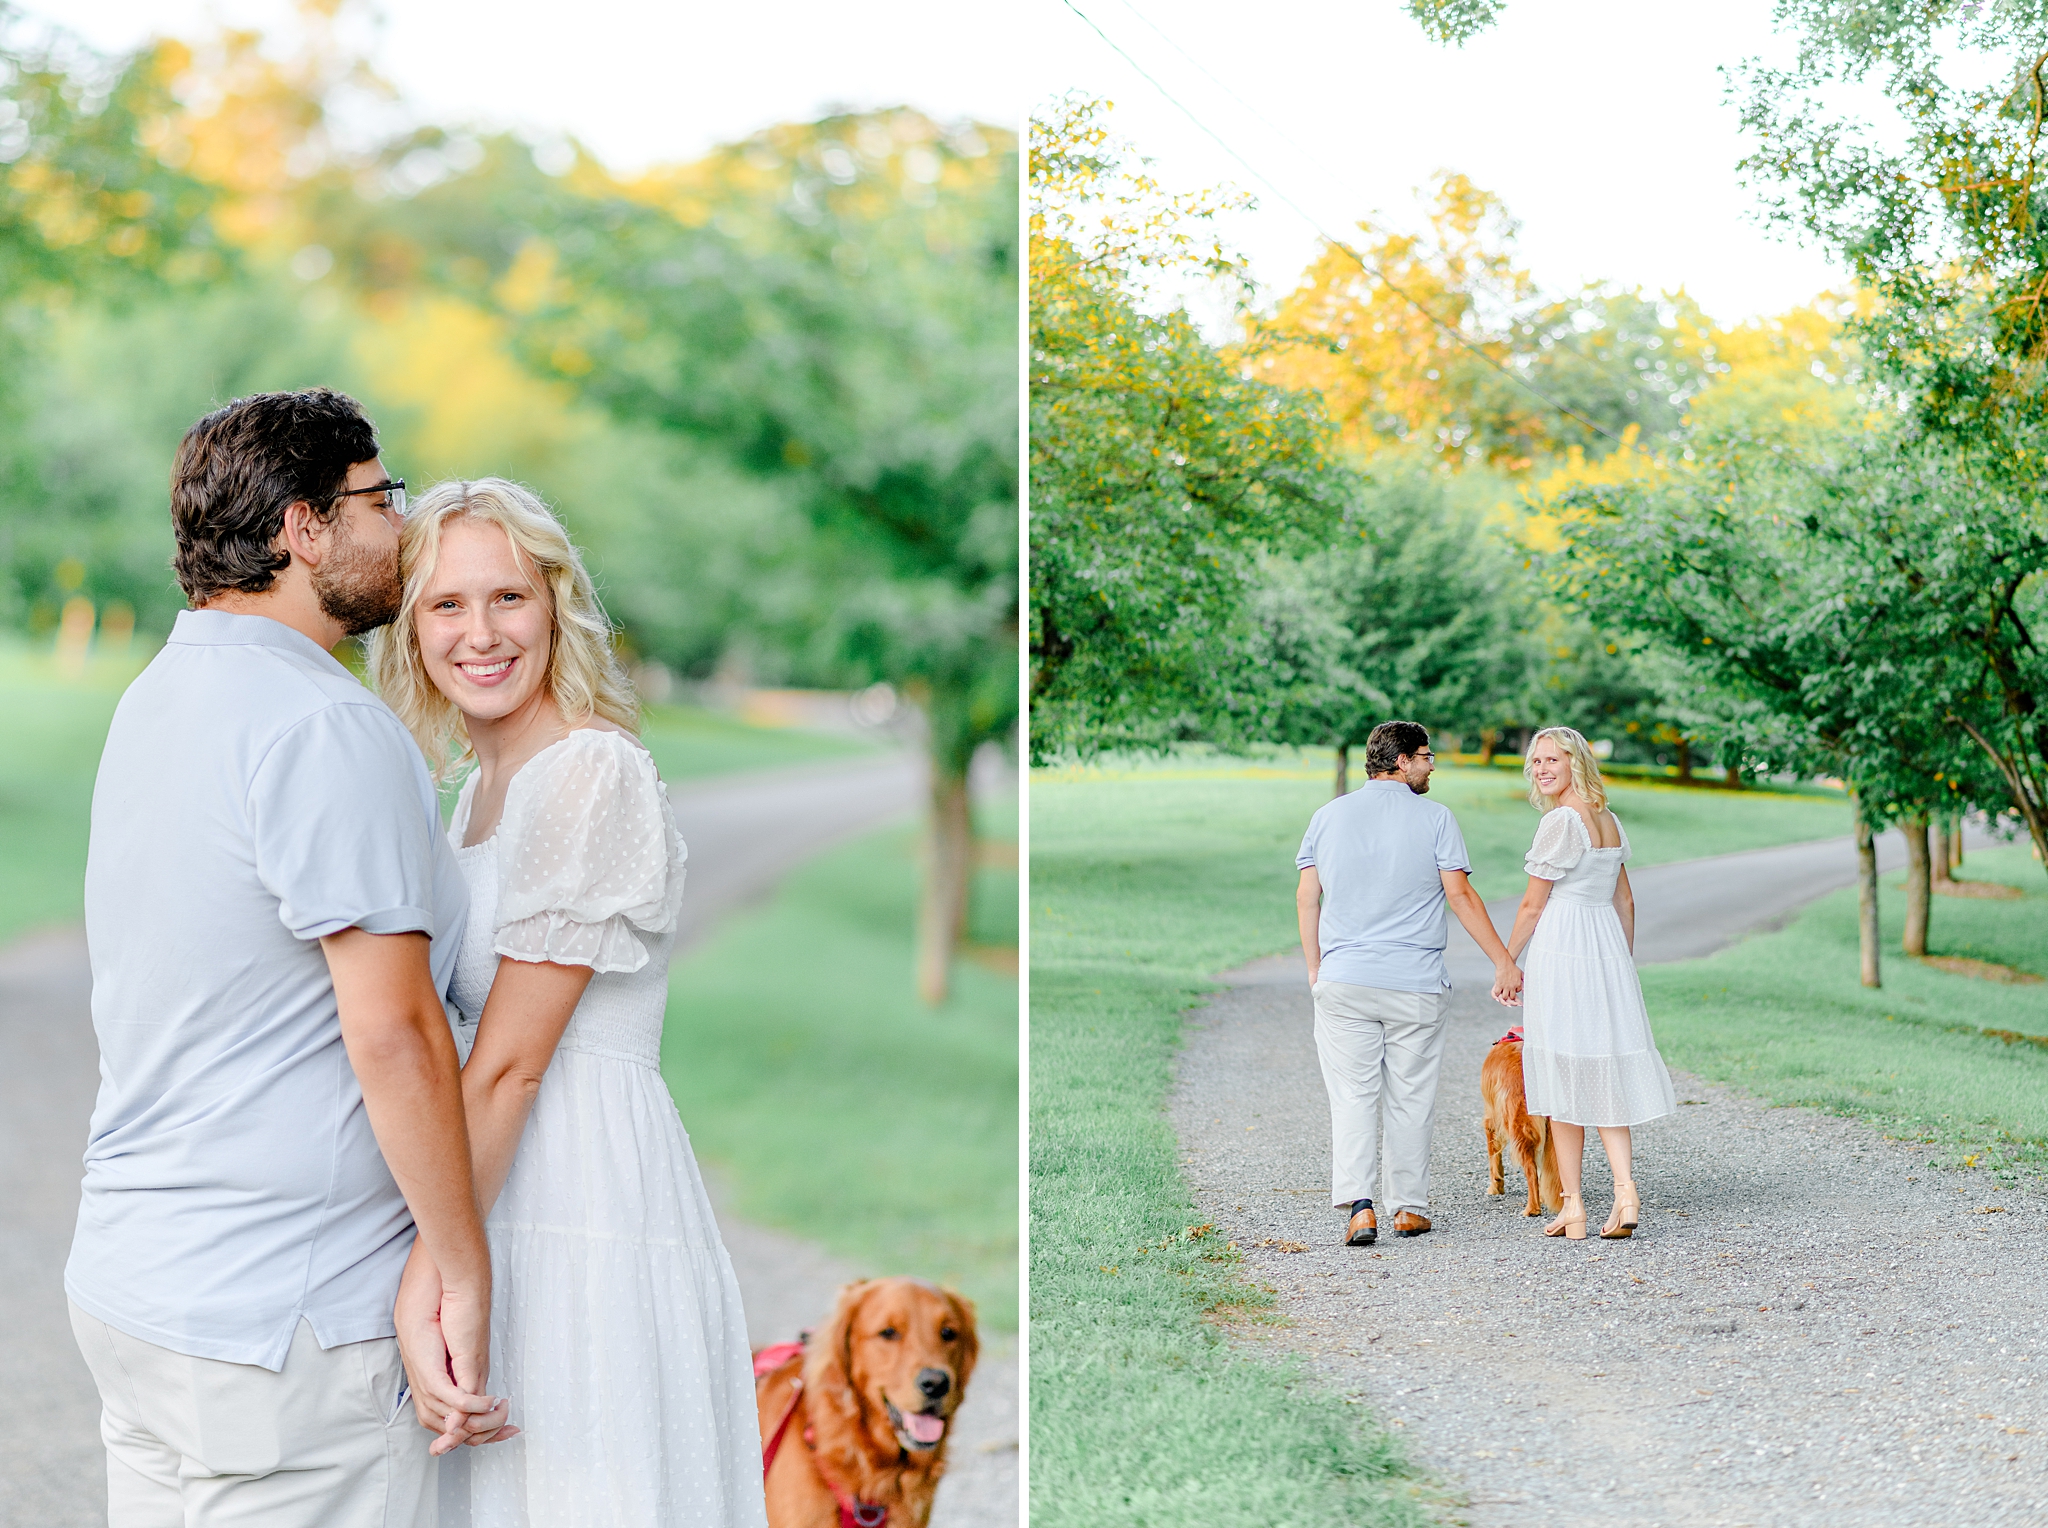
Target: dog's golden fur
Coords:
[(884, 1335), (1509, 1122)]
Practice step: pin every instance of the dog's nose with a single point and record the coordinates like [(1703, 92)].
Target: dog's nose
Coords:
[(934, 1383)]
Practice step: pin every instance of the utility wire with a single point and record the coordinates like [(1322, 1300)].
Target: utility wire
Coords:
[(1450, 330)]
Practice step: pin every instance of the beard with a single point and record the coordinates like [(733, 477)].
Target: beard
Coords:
[(358, 589)]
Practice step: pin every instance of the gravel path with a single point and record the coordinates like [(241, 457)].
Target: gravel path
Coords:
[(744, 833), (1811, 1327)]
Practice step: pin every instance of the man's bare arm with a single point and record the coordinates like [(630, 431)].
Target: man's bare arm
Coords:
[(404, 1058), (1308, 912), (1471, 912)]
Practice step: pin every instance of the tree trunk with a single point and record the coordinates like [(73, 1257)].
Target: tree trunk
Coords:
[(1866, 901), (1938, 857), (1487, 739), (1685, 759), (1734, 777), (1917, 881), (949, 856), (1955, 845), (1343, 781)]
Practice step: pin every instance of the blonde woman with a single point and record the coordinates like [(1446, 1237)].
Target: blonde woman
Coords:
[(1587, 1054), (616, 1323)]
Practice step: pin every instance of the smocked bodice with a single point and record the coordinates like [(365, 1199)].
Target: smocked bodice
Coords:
[(586, 868)]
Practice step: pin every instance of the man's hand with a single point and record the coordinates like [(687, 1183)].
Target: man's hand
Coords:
[(1507, 984), (426, 1320)]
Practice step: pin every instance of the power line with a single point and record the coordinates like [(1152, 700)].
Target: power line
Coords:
[(1450, 330)]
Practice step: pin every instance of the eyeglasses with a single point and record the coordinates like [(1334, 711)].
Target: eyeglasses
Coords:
[(392, 488)]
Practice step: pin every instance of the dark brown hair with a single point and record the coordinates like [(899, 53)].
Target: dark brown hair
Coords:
[(1389, 741), (242, 466)]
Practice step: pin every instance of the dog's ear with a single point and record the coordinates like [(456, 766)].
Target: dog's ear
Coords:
[(970, 1338), (828, 1360)]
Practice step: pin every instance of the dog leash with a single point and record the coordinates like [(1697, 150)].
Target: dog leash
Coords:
[(853, 1512)]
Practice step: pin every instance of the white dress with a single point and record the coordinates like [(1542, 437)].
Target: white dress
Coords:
[(1587, 1054), (615, 1319)]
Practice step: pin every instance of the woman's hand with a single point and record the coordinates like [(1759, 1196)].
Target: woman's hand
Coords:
[(1507, 985), (442, 1406)]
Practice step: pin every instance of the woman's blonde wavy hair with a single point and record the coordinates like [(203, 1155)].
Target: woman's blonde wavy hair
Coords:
[(584, 674), (1585, 769)]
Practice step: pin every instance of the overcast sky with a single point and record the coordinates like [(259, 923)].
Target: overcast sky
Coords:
[(1601, 123), (638, 81)]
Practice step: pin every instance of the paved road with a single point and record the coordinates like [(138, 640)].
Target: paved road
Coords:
[(745, 833), (1811, 1328)]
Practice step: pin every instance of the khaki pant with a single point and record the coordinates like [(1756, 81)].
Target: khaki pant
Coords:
[(1380, 1052), (199, 1443)]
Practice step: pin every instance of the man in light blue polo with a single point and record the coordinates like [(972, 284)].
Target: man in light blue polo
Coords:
[(1377, 868), (273, 914)]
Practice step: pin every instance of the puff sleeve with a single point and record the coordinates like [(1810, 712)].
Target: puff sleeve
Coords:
[(1560, 844), (590, 857)]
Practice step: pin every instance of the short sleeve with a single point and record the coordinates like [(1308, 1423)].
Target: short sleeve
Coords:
[(1624, 837), (1560, 844), (1450, 844), (588, 856), (1307, 854), (342, 822)]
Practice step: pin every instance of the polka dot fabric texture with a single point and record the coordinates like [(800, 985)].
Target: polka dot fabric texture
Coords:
[(1588, 1057), (616, 1325)]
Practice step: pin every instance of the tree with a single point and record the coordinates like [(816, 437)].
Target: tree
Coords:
[(839, 321), (1940, 226), (1418, 614), (1160, 471), (1444, 344), (1848, 600)]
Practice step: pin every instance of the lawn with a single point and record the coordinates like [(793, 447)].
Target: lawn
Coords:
[(837, 1104), (1144, 884), (56, 727), (690, 742), (1782, 1015)]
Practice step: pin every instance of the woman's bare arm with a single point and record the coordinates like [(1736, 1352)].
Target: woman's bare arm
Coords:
[(1534, 900), (522, 1023), (1625, 905)]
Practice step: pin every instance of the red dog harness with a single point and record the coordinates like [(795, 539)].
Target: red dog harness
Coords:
[(1512, 1037), (853, 1512)]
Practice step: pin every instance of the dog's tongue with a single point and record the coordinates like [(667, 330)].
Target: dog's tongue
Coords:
[(925, 1429)]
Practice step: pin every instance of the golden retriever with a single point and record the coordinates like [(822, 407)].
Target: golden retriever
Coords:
[(855, 1419), (1508, 1120)]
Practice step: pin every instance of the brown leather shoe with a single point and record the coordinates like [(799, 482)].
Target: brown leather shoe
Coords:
[(1364, 1229), (1408, 1223)]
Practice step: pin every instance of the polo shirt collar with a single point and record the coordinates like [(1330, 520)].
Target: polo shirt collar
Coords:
[(1386, 785), (219, 628)]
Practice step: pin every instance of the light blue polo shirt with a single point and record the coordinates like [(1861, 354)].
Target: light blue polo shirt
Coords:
[(253, 796), (1379, 853)]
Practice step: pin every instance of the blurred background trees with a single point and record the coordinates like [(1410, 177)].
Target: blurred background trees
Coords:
[(772, 392)]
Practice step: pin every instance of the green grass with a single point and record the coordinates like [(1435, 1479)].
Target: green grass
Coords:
[(690, 742), (1145, 884), (55, 729), (836, 1104), (1783, 1016)]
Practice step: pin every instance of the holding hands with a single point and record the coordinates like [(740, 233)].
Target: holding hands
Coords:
[(443, 1336), (1507, 984)]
